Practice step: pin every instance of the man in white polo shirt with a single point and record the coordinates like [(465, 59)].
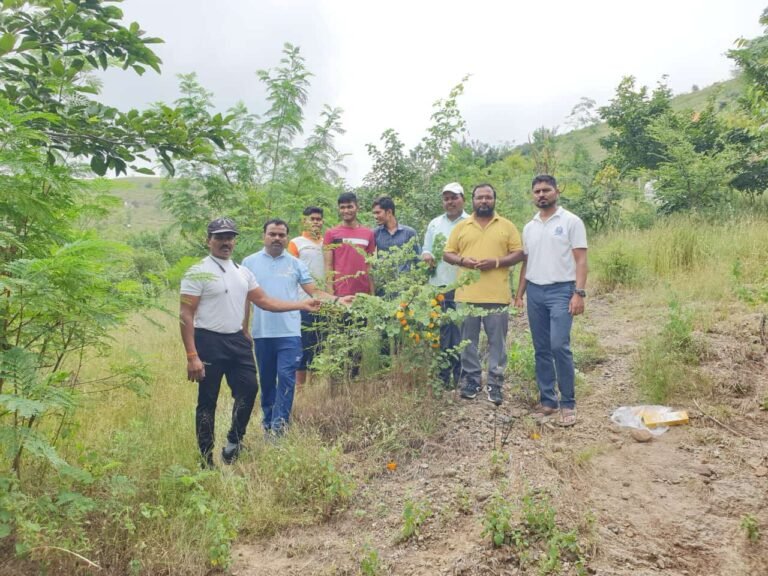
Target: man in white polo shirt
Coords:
[(445, 274), (214, 296), (554, 276)]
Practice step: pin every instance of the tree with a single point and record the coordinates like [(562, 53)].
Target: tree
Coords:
[(46, 51), (62, 289), (629, 114), (584, 114)]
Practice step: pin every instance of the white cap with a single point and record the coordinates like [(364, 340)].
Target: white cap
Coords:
[(454, 187)]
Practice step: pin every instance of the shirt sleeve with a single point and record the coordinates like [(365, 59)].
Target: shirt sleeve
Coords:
[(371, 248), (192, 283), (515, 243), (293, 250), (416, 247), (578, 233), (303, 273), (452, 245), (249, 277), (429, 239)]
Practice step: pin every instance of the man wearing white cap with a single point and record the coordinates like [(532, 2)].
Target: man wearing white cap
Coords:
[(444, 273)]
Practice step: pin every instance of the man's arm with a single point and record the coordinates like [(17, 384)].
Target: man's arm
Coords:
[(371, 286), (247, 320), (429, 240), (187, 310), (576, 305), (504, 262), (312, 290), (522, 284), (258, 297), (329, 272)]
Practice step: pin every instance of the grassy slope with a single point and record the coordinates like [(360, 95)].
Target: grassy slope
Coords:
[(140, 209), (724, 92)]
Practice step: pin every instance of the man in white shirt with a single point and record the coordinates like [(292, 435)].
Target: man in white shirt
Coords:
[(214, 328), (309, 249), (445, 274), (554, 276)]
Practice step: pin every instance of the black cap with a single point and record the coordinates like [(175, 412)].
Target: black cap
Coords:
[(222, 226)]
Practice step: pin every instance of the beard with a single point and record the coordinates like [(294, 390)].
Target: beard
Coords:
[(484, 211)]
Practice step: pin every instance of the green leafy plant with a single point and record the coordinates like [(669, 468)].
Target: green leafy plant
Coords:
[(751, 527), (415, 513)]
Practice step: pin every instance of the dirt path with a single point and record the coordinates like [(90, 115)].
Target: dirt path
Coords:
[(673, 506)]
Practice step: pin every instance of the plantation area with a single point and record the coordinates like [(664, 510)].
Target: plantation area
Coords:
[(387, 472)]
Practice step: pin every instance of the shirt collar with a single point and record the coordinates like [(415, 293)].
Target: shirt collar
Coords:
[(558, 213), (264, 252), (459, 218)]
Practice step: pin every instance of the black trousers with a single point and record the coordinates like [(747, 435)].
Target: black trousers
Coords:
[(450, 336), (229, 355)]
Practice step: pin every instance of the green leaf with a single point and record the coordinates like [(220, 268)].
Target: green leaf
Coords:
[(98, 165), (146, 171), (7, 42)]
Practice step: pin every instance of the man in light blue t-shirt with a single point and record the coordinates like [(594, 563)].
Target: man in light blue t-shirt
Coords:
[(277, 336), (445, 274)]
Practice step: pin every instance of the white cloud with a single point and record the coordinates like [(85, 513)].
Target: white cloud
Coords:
[(386, 63)]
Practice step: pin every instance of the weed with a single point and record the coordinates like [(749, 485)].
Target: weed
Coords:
[(664, 363), (415, 513), (497, 463), (617, 268), (370, 563), (583, 458), (531, 531), (751, 528)]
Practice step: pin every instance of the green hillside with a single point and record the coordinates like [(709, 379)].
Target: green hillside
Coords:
[(140, 207), (724, 93)]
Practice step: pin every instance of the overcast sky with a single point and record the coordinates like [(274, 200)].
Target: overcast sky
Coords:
[(385, 63)]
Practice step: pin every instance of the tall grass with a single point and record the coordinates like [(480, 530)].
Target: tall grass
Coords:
[(692, 256), (148, 508)]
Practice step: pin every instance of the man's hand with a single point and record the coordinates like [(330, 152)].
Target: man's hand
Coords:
[(347, 300), (429, 259), (195, 369), (519, 304), (311, 305), (484, 264), (469, 263), (576, 305)]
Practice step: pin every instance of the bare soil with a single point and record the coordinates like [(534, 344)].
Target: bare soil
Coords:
[(672, 506)]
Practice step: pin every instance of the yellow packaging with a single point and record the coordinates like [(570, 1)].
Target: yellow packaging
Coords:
[(655, 419)]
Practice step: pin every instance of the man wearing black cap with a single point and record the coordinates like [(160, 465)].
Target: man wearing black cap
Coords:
[(214, 299)]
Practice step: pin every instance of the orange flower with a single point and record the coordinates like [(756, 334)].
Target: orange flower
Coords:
[(435, 345), (391, 465), (440, 297), (416, 337), (403, 321), (403, 304)]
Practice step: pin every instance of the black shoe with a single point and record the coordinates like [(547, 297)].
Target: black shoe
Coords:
[(469, 391), (494, 395), (230, 452), (206, 462)]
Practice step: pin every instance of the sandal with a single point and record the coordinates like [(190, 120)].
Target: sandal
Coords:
[(540, 412), (567, 417)]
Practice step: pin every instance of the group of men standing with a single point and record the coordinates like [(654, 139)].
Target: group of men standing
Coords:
[(271, 300)]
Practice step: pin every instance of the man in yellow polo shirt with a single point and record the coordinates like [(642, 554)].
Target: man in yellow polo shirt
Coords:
[(491, 244)]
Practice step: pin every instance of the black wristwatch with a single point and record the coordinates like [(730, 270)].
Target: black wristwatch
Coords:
[(581, 292)]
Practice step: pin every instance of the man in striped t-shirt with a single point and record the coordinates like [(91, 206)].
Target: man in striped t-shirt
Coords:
[(309, 249)]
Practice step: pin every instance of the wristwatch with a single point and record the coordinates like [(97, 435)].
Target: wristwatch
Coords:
[(581, 292)]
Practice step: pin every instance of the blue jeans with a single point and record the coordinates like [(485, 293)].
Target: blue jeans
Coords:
[(550, 324), (278, 359)]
